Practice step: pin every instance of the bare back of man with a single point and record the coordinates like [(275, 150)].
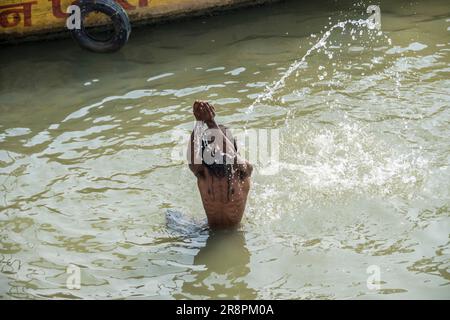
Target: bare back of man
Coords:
[(224, 201), (224, 185)]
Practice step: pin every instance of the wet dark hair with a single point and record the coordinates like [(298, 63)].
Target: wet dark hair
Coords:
[(222, 169)]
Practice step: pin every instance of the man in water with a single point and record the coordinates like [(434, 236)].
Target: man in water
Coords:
[(223, 176)]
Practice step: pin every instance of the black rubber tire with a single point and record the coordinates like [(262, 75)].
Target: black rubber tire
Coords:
[(119, 19)]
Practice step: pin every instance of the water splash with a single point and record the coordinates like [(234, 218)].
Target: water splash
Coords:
[(332, 166), (277, 85)]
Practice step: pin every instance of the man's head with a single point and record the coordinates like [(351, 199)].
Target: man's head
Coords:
[(219, 165)]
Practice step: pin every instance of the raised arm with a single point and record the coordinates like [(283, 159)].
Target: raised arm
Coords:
[(194, 151)]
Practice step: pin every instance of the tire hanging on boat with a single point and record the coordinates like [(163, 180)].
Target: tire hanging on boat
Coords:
[(119, 19)]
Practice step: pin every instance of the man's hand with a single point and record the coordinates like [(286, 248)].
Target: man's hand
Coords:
[(203, 111)]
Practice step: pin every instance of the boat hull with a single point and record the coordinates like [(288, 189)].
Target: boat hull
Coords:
[(38, 19)]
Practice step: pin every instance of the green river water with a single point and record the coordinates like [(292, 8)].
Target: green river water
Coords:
[(87, 165)]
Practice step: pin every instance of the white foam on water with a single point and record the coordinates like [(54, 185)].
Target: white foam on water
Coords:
[(335, 165)]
